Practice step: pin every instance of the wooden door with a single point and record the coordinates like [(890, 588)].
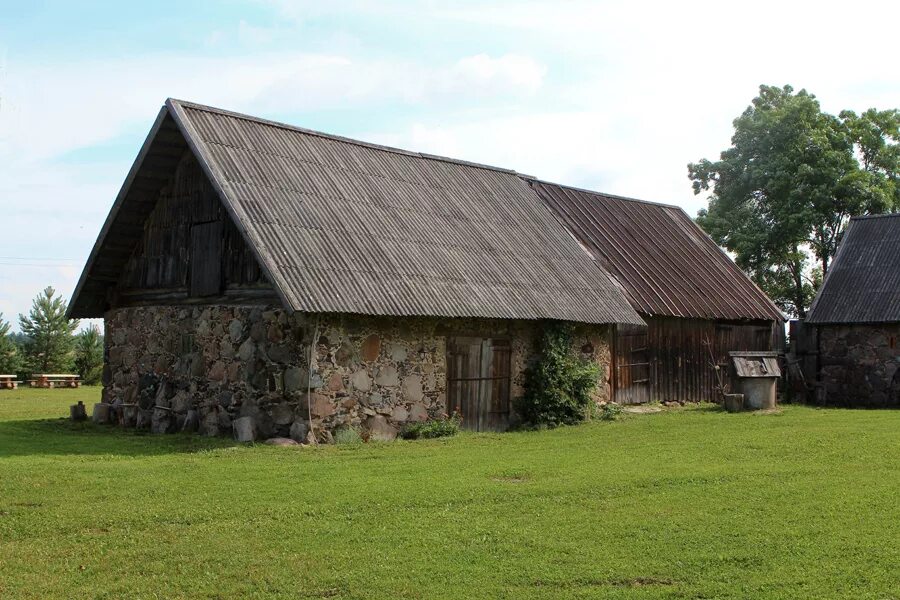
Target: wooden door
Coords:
[(632, 363), (478, 380)]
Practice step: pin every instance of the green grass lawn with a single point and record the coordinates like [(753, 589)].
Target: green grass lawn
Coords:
[(691, 503)]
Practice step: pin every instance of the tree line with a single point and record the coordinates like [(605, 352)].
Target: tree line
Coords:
[(48, 342), (781, 196)]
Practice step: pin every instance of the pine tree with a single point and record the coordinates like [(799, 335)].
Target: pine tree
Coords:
[(49, 341), (89, 355), (10, 358)]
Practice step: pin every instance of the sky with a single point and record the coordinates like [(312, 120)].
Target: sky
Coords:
[(613, 96)]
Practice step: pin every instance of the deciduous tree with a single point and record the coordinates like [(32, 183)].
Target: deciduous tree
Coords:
[(786, 188)]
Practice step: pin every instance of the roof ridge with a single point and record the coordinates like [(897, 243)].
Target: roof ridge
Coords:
[(605, 194), (884, 216), (339, 138)]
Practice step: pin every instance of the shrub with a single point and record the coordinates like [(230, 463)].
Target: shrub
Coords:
[(558, 385), (609, 411), (435, 428), (348, 436)]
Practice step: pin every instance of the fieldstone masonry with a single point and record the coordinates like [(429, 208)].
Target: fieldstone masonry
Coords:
[(244, 371), (860, 364)]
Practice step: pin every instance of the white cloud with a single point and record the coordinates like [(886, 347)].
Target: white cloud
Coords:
[(609, 95), (509, 71), (103, 98), (253, 35), (51, 208)]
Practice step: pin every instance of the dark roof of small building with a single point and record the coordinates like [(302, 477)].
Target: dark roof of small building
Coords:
[(344, 226), (664, 262), (863, 283)]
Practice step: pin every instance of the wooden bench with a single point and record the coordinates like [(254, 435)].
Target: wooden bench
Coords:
[(53, 380), (8, 382)]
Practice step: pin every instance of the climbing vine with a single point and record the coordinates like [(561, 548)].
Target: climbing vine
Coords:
[(558, 384)]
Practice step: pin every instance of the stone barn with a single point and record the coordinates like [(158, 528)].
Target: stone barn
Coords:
[(277, 279), (698, 305), (856, 317)]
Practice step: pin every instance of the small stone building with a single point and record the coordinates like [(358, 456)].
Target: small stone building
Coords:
[(301, 280), (856, 317), (698, 305)]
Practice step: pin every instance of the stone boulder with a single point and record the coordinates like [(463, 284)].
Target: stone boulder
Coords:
[(101, 413), (282, 414), (399, 414), (144, 418), (191, 421), (299, 431), (412, 388), (209, 425), (244, 429), (280, 441), (418, 412), (387, 377), (235, 329), (294, 379), (162, 421), (320, 405), (130, 413), (371, 347), (361, 381), (380, 430)]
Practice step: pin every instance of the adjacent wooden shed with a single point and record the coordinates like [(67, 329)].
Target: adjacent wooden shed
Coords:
[(856, 317), (698, 305)]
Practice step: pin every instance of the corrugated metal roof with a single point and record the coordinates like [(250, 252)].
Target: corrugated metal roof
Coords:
[(863, 283), (665, 263), (345, 226)]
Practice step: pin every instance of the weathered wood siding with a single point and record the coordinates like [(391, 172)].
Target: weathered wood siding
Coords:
[(190, 250), (681, 353)]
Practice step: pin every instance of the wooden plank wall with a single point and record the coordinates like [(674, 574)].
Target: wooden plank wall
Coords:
[(176, 259), (681, 367)]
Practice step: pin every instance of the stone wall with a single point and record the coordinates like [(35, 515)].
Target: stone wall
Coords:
[(203, 367), (211, 368), (860, 364), (383, 372)]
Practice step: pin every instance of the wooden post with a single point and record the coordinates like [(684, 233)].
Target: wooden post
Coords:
[(78, 412)]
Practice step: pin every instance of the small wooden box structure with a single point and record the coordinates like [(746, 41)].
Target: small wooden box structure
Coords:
[(52, 380), (756, 374)]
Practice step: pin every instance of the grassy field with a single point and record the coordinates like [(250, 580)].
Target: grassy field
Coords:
[(691, 503)]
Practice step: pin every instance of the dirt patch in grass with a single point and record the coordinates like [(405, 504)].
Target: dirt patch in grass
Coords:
[(642, 409)]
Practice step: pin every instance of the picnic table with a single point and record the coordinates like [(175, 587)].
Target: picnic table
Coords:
[(52, 380), (8, 382)]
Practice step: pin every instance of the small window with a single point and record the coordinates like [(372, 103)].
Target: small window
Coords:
[(478, 381)]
